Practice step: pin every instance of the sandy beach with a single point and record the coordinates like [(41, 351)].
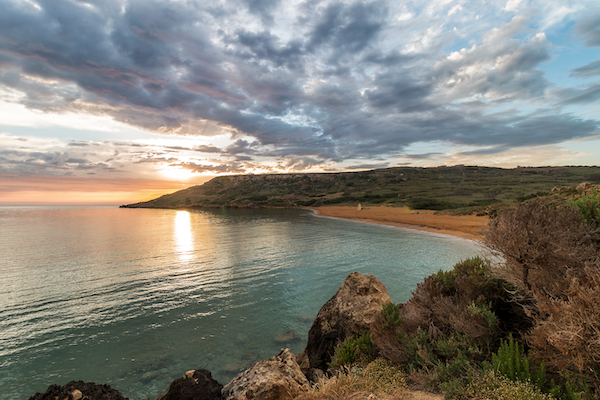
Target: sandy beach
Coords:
[(465, 226)]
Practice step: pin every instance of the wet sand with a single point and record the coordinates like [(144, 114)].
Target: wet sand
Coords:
[(465, 226)]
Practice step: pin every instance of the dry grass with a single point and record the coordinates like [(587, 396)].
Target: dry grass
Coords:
[(540, 240), (567, 330), (379, 379)]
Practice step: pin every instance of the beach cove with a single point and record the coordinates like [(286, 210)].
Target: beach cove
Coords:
[(463, 226)]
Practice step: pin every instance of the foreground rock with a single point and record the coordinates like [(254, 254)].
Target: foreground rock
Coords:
[(195, 384), (278, 377), (350, 312), (79, 391)]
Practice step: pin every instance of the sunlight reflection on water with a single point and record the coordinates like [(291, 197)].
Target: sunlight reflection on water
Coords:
[(184, 237), (136, 297)]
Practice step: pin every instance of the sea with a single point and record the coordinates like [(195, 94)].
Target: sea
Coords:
[(134, 298)]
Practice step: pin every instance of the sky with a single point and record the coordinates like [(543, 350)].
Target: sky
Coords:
[(114, 101)]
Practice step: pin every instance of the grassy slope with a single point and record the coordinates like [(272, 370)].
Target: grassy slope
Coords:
[(460, 187)]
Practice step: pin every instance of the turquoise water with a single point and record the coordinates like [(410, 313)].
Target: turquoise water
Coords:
[(136, 297)]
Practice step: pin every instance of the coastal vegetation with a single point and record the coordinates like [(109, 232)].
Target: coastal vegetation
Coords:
[(526, 326), (458, 189)]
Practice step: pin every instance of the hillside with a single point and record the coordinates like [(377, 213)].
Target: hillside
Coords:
[(458, 188)]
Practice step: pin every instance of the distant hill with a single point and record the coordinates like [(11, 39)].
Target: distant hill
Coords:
[(461, 189)]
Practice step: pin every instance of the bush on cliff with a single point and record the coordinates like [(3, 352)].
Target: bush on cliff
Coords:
[(588, 205), (541, 240), (451, 324), (353, 350), (467, 300), (551, 254)]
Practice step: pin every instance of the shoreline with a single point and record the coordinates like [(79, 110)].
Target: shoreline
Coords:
[(463, 226)]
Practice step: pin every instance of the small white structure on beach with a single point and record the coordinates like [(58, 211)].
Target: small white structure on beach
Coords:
[(359, 207)]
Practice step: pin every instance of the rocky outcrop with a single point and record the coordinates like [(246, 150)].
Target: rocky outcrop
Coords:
[(79, 391), (582, 187), (278, 378), (195, 384), (350, 312)]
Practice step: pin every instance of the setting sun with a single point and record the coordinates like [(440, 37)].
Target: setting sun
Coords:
[(177, 173)]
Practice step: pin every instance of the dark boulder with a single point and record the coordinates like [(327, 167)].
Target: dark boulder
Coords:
[(195, 384), (79, 391)]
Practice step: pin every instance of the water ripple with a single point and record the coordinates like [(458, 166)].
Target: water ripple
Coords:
[(134, 298)]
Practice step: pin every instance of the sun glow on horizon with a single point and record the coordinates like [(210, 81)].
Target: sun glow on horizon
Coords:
[(178, 174)]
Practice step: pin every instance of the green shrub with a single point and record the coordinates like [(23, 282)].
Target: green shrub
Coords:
[(418, 348), (258, 198), (383, 374), (523, 198), (510, 361), (475, 268), (426, 203), (307, 203), (445, 361), (494, 386), (588, 206), (575, 388), (484, 312), (391, 315), (353, 350)]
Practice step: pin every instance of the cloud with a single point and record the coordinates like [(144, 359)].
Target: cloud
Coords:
[(587, 71), (590, 94), (298, 84), (368, 166), (500, 68), (589, 29), (229, 168)]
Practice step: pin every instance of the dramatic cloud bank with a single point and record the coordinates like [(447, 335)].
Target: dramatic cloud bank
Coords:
[(270, 85)]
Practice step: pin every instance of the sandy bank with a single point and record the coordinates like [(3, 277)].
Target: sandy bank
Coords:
[(465, 226)]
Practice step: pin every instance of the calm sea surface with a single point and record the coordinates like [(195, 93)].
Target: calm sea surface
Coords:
[(136, 297)]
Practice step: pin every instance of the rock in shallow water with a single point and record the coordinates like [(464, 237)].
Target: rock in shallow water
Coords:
[(287, 337), (195, 384), (277, 378), (78, 390)]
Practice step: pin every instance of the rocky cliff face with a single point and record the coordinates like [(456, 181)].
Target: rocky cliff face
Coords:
[(350, 312)]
